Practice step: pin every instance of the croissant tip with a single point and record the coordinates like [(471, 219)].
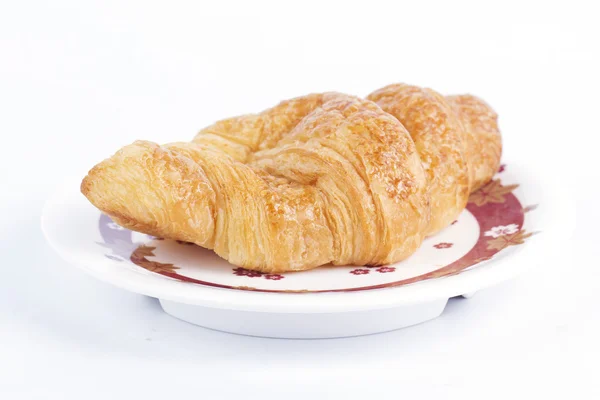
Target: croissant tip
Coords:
[(84, 187)]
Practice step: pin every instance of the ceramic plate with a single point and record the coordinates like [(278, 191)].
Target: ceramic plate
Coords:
[(484, 245)]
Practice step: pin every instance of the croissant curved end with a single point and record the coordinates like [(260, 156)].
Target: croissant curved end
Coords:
[(148, 188)]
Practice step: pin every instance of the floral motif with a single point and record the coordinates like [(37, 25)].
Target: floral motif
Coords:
[(443, 245), (383, 270), (502, 242), (139, 257), (274, 277), (502, 230), (246, 272), (501, 168), (360, 271), (115, 226), (493, 192)]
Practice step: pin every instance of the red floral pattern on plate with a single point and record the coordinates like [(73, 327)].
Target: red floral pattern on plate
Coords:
[(442, 245), (493, 192), (502, 242), (502, 230), (246, 272), (383, 270), (274, 277), (360, 271)]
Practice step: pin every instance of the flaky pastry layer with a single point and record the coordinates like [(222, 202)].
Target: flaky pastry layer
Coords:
[(320, 179)]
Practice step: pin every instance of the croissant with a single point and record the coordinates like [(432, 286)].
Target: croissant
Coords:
[(457, 139), (320, 179)]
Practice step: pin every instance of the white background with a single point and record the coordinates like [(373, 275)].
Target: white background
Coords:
[(80, 79)]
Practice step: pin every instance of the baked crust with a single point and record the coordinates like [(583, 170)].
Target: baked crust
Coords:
[(320, 179)]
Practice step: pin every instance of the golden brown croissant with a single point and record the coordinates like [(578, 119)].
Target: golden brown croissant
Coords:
[(457, 139), (324, 178)]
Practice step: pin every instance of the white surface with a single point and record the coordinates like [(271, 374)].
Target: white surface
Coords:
[(79, 80)]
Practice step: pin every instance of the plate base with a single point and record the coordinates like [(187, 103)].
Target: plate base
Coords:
[(305, 326)]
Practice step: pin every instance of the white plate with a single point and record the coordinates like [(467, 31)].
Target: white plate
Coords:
[(496, 237)]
